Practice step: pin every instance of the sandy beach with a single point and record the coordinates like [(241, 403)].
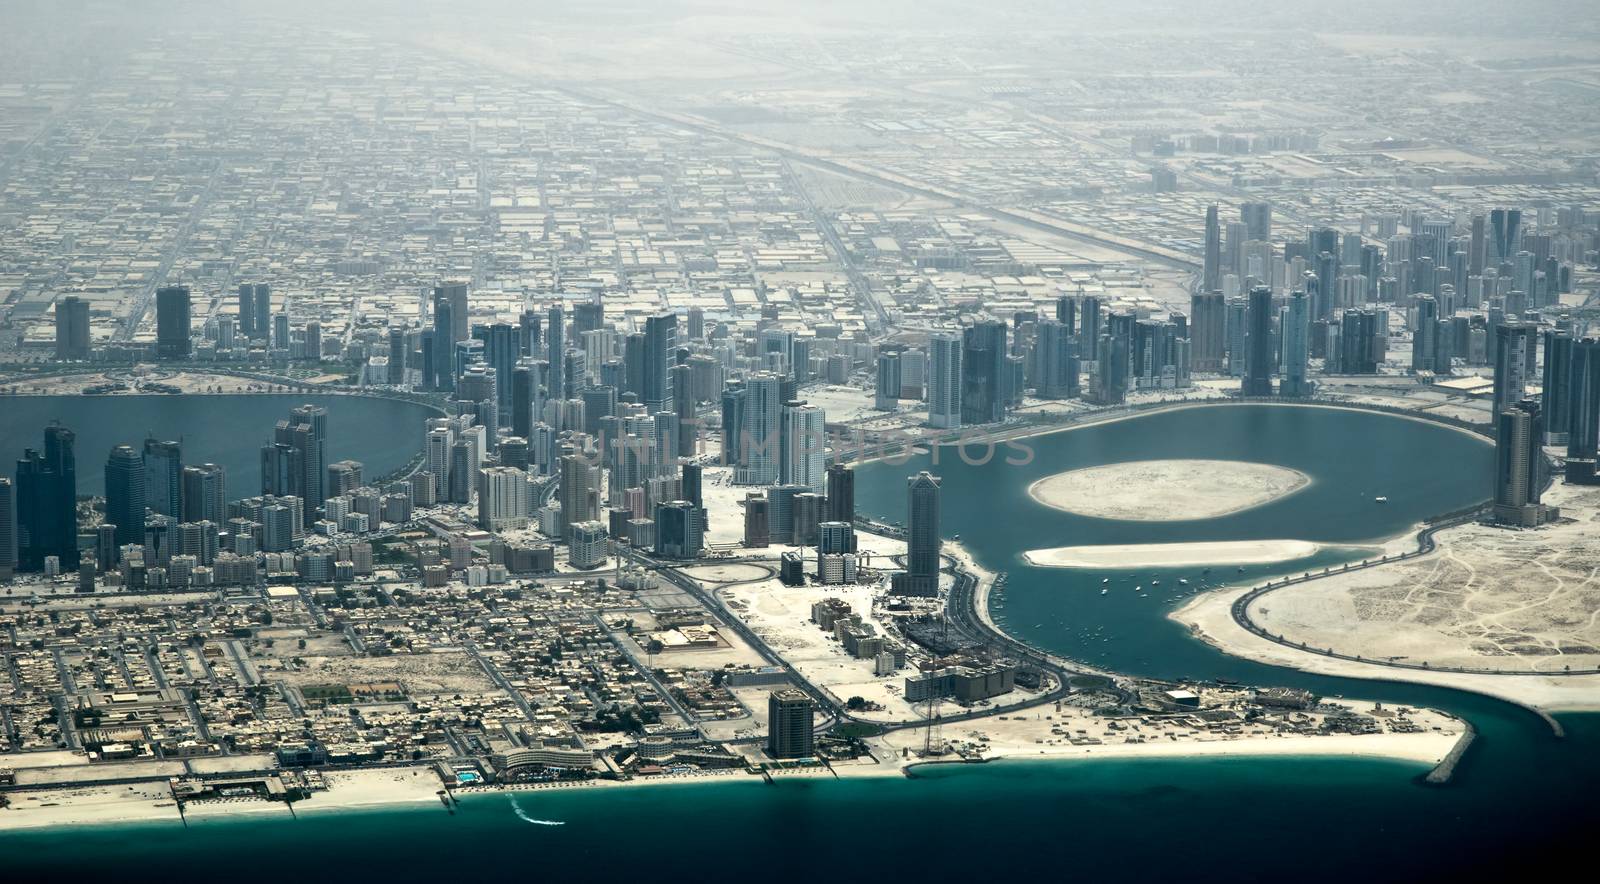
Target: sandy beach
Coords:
[(1167, 490), (1172, 555), (151, 801)]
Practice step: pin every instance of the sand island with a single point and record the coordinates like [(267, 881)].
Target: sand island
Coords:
[(1167, 490)]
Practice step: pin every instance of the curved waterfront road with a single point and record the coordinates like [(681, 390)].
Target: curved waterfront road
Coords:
[(1426, 544)]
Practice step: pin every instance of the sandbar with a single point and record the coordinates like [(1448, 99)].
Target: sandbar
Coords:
[(1172, 555), (1167, 490)]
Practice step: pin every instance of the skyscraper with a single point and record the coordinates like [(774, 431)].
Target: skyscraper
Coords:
[(502, 346), (1513, 342), (173, 322), (683, 402), (47, 503), (1056, 360), (72, 328), (205, 494), (984, 371), (125, 493), (293, 463), (804, 446), (923, 544), (1258, 343), (8, 529), (660, 335), (451, 325), (1424, 334), (1211, 273), (255, 310), (1257, 218), (1505, 235), (163, 480), (841, 493), (1207, 330), (578, 492), (556, 352), (1296, 333), (789, 724), (944, 381), (505, 499), (1556, 397), (887, 390), (760, 434), (1583, 434), (678, 530), (1520, 468)]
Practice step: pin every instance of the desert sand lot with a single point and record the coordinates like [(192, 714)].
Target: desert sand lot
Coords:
[(1490, 598)]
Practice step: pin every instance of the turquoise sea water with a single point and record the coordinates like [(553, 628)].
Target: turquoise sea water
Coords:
[(1522, 799)]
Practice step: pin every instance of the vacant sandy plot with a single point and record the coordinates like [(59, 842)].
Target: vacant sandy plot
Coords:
[(1167, 490), (422, 674), (1491, 598)]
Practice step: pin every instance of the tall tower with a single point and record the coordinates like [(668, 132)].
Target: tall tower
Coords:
[(174, 322), (47, 503), (555, 339), (1519, 466), (804, 446), (8, 529), (660, 334), (983, 373), (163, 484), (578, 492), (451, 325), (921, 576), (1257, 218), (888, 381), (1513, 342), (790, 714), (1583, 435), (72, 328), (1556, 399), (1258, 343), (1296, 346), (205, 493), (944, 381), (841, 493), (125, 493), (1208, 330), (1211, 275), (760, 441)]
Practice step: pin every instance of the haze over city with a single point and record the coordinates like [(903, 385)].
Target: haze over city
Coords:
[(942, 440)]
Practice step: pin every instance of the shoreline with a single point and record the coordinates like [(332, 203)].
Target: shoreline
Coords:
[(1208, 617), (1423, 749)]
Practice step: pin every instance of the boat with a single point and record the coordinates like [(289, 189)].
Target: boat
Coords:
[(1105, 580), (1183, 581), (1380, 500), (1104, 591), (1138, 589)]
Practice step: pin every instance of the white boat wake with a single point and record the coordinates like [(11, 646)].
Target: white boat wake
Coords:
[(522, 815)]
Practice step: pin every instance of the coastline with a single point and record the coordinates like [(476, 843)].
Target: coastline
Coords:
[(1209, 618), (416, 788)]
